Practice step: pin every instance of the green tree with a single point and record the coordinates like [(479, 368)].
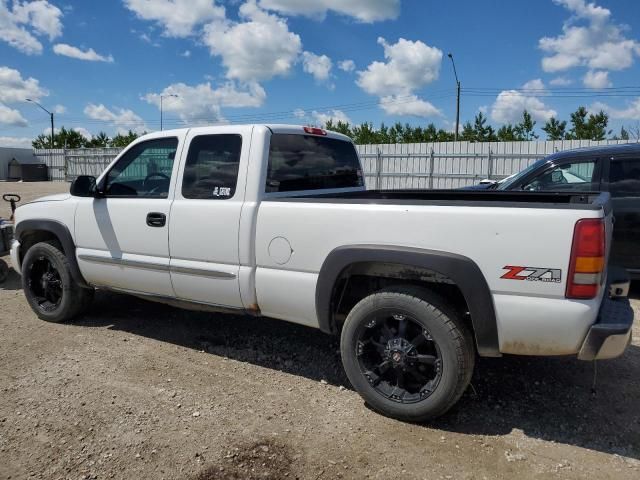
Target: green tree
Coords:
[(597, 126), (100, 140), (364, 134), (63, 138), (579, 130), (122, 141), (508, 133), (586, 126), (479, 131), (555, 129), (624, 135), (468, 133), (430, 133), (445, 136), (42, 141), (525, 129)]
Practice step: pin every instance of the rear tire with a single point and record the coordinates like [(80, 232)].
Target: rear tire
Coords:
[(49, 287), (407, 353)]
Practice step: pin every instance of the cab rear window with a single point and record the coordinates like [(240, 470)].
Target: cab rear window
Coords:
[(306, 162)]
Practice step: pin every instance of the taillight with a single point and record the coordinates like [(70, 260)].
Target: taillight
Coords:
[(587, 259), (315, 131)]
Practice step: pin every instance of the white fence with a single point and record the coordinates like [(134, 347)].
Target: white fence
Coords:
[(55, 160), (454, 164), (386, 167)]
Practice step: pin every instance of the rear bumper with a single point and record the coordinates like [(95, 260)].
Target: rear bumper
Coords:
[(611, 334)]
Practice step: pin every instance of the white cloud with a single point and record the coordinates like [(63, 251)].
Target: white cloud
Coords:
[(59, 109), (561, 82), (20, 24), (16, 142), (43, 17), (89, 55), (534, 85), (367, 11), (11, 117), (122, 119), (596, 43), (178, 18), (631, 112), (321, 118), (260, 48), (408, 105), (510, 104), (186, 54), (13, 88), (84, 132), (409, 66), (347, 65), (319, 66), (201, 104), (299, 113), (596, 79)]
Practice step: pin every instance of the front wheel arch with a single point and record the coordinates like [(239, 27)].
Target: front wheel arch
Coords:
[(29, 232)]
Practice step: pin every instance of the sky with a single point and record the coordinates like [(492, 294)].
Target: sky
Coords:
[(107, 65)]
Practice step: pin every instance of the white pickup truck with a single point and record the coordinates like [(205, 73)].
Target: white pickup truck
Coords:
[(275, 220)]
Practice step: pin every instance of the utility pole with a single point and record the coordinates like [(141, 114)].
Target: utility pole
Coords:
[(457, 97), (50, 116), (162, 97)]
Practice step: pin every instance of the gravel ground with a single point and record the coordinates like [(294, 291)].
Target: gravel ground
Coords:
[(140, 390)]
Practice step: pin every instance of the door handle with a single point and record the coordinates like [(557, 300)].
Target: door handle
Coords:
[(156, 219)]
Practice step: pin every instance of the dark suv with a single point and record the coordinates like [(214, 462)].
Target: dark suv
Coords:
[(611, 168)]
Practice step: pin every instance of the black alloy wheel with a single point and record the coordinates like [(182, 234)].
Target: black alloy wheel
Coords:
[(45, 284), (399, 357)]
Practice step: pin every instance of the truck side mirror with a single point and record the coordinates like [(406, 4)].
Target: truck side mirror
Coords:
[(83, 186)]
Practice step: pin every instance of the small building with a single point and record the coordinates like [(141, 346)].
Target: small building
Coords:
[(11, 161)]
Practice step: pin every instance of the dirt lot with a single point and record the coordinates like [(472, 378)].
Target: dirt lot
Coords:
[(140, 390)]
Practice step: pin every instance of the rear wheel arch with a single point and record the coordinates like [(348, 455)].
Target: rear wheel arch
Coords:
[(459, 272), (32, 231)]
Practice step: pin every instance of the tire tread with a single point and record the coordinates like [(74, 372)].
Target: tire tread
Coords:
[(458, 331)]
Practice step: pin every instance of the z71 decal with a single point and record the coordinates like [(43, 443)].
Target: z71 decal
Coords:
[(532, 274)]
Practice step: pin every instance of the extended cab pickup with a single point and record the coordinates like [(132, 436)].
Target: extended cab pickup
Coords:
[(275, 220)]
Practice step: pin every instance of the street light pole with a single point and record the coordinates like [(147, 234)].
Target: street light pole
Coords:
[(161, 98), (457, 97), (50, 116)]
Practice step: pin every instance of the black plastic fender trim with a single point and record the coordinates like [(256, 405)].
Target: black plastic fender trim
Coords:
[(64, 236), (463, 271)]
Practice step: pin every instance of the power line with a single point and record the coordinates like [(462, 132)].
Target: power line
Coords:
[(268, 117)]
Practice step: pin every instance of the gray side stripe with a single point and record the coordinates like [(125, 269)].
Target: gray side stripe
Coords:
[(157, 266), (202, 272), (124, 263)]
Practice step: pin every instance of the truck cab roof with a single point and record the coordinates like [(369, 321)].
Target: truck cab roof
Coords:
[(274, 127)]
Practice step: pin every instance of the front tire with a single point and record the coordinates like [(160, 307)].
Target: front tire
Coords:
[(407, 353), (49, 287), (4, 271)]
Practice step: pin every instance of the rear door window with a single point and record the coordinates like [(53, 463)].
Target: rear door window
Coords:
[(624, 178), (305, 162), (211, 170)]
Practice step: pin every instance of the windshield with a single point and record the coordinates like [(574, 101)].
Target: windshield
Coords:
[(509, 182)]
